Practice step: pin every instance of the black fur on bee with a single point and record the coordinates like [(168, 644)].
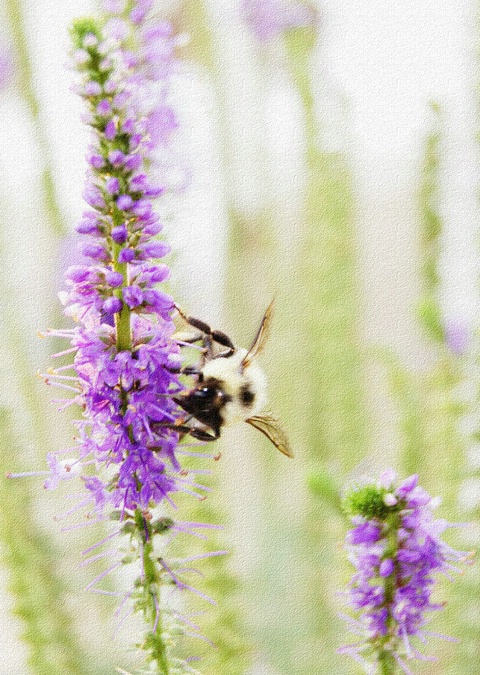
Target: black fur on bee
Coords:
[(205, 402)]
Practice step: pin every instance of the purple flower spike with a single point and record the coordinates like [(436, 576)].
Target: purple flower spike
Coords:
[(122, 338), (397, 553), (124, 374)]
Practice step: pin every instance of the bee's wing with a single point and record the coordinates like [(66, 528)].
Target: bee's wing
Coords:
[(269, 426), (260, 338)]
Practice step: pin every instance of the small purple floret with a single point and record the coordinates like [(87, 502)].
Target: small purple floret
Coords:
[(110, 130), (112, 305), (114, 279), (126, 255), (92, 89), (133, 296), (124, 202), (386, 567), (112, 186), (104, 108), (116, 158), (457, 336), (367, 533), (95, 251), (120, 234)]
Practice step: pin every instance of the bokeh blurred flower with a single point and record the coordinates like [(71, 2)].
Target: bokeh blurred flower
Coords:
[(457, 336), (6, 65), (397, 552), (269, 18)]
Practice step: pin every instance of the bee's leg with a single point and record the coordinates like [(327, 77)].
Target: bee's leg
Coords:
[(202, 435), (207, 437), (185, 370), (210, 335), (190, 339), (190, 370), (183, 430)]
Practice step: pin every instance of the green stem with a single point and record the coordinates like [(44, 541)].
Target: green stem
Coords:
[(151, 586), (25, 80), (122, 318), (387, 663), (122, 324), (386, 660), (151, 606)]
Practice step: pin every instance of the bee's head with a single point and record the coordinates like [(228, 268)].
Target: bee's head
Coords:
[(205, 397)]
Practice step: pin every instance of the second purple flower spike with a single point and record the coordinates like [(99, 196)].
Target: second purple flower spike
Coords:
[(397, 552)]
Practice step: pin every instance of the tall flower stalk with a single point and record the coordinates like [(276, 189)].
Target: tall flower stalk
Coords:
[(126, 363), (397, 552)]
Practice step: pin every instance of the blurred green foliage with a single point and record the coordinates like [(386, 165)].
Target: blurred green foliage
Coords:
[(38, 590), (429, 311)]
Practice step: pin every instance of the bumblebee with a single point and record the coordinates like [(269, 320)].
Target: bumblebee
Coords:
[(230, 386)]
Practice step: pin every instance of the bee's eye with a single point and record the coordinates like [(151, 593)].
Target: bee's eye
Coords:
[(204, 392)]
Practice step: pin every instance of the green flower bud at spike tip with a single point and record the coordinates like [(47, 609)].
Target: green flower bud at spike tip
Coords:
[(83, 27), (367, 501)]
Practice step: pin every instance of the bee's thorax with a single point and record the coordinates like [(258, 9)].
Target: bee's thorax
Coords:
[(244, 389)]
